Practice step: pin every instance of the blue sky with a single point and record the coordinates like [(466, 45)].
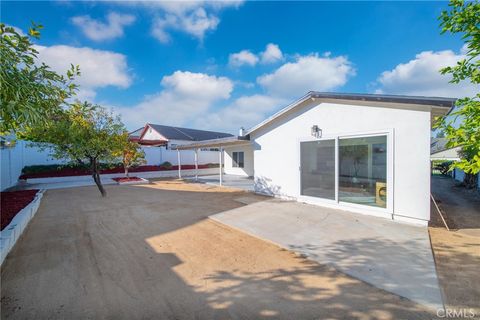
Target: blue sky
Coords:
[(222, 65)]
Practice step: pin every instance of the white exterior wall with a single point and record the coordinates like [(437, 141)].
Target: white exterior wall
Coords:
[(152, 135), (247, 170), (277, 159)]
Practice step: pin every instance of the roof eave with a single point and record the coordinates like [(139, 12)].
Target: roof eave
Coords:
[(442, 106)]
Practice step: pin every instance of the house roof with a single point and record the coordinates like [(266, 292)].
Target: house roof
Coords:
[(440, 151), (438, 144), (135, 135), (435, 105), (177, 133)]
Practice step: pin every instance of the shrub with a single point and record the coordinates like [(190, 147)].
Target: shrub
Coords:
[(58, 167), (166, 165), (443, 167)]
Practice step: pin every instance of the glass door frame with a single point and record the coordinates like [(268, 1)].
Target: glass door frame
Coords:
[(310, 139), (389, 133)]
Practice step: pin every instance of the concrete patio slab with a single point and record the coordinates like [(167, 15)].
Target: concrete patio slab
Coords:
[(389, 255), (229, 180)]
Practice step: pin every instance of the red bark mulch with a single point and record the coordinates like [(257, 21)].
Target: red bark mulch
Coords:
[(130, 179), (12, 202), (67, 172)]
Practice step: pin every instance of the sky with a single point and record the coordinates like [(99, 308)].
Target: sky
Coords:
[(225, 65)]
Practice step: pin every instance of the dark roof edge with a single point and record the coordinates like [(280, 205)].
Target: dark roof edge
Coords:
[(389, 98)]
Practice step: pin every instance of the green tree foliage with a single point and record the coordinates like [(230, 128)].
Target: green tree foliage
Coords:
[(30, 92), (129, 151), (462, 126), (84, 133)]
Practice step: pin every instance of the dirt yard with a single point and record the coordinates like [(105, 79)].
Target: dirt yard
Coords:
[(148, 252), (457, 252)]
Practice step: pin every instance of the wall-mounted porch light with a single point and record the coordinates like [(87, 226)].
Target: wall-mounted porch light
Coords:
[(316, 131)]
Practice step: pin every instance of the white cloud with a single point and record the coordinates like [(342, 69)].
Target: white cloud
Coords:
[(307, 73), (421, 76), (271, 54), (192, 17), (244, 57), (182, 6), (98, 68), (244, 112), (99, 31), (196, 23), (185, 96)]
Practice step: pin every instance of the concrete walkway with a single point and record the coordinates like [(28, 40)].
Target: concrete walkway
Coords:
[(389, 255), (87, 181)]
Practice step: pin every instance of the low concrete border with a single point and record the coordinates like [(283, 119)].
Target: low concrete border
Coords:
[(15, 228), (147, 174), (141, 181)]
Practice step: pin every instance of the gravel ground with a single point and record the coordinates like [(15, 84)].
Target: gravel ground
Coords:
[(457, 252)]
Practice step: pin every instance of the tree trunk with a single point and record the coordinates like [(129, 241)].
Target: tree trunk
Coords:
[(96, 176), (126, 172), (470, 180)]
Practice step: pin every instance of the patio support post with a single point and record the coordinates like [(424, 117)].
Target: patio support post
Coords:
[(196, 164), (179, 165), (220, 180)]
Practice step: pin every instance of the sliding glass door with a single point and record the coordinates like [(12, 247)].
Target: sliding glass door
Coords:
[(352, 170), (363, 171), (318, 168)]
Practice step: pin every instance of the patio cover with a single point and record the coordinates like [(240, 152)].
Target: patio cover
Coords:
[(213, 143)]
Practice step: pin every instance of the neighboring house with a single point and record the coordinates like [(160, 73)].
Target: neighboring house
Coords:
[(359, 152), (439, 150), (159, 143)]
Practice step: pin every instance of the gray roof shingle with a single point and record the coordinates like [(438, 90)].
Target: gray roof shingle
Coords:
[(177, 133)]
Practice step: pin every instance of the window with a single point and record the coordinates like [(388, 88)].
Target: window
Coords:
[(237, 159)]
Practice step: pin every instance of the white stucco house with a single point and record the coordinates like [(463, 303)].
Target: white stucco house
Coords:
[(364, 153)]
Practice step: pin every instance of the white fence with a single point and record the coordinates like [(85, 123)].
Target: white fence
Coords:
[(12, 160), (158, 155)]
